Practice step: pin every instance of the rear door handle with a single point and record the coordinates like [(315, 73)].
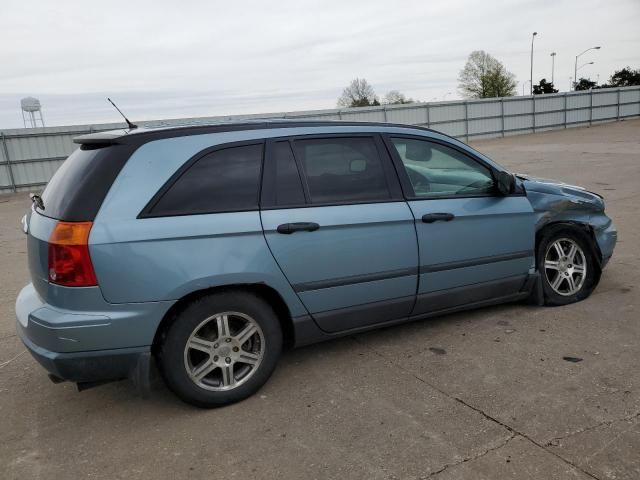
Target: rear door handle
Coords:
[(438, 217), (289, 228)]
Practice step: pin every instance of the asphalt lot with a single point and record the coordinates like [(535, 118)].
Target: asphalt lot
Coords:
[(482, 394)]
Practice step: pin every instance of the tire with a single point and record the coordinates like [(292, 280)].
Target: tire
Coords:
[(227, 361), (555, 266)]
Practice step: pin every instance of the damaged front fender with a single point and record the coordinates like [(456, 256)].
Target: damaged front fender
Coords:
[(555, 202)]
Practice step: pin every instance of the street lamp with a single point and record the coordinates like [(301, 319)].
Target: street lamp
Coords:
[(575, 71), (533, 36), (584, 65), (553, 62)]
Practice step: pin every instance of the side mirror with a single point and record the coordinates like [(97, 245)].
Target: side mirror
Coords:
[(505, 183)]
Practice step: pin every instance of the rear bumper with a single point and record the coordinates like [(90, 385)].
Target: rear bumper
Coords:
[(89, 347), (80, 320), (93, 367)]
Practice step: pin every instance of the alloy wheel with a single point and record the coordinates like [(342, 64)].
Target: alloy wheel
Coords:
[(224, 351), (565, 266)]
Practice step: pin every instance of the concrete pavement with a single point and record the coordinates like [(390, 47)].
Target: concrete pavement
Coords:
[(477, 395)]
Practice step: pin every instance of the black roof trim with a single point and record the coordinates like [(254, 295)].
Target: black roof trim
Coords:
[(144, 135)]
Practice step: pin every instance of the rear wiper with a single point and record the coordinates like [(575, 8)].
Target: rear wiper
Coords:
[(37, 200)]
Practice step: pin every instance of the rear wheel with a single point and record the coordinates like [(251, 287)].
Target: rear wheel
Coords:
[(565, 261), (221, 349)]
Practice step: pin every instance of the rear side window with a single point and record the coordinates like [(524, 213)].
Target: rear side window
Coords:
[(221, 181), (78, 188), (343, 169)]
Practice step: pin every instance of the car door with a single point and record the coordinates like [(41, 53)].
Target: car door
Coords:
[(336, 222), (475, 244)]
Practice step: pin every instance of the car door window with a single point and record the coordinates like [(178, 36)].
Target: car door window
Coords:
[(436, 170), (342, 170)]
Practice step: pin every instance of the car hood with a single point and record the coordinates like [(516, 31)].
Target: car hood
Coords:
[(578, 196)]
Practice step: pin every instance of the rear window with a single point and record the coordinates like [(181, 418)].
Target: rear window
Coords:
[(77, 189), (221, 181)]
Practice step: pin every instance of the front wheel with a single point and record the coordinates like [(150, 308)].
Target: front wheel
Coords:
[(565, 261), (221, 349)]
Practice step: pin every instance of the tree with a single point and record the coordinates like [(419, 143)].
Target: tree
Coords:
[(394, 97), (359, 93), (544, 87), (625, 78), (484, 77), (584, 84)]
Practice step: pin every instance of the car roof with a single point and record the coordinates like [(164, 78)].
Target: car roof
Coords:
[(149, 133)]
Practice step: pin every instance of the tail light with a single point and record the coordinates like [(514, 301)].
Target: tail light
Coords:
[(69, 260)]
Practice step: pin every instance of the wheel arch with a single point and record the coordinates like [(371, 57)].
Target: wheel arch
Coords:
[(582, 227), (262, 290)]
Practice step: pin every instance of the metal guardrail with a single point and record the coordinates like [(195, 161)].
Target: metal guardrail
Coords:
[(29, 157)]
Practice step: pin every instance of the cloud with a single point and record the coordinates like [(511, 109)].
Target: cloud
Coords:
[(165, 59)]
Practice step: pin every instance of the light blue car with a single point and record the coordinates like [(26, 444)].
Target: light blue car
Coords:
[(212, 248)]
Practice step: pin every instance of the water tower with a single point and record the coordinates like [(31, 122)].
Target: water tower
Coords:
[(31, 112)]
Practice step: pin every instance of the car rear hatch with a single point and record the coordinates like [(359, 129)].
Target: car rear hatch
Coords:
[(68, 205)]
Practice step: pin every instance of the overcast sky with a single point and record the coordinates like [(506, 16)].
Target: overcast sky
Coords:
[(183, 58)]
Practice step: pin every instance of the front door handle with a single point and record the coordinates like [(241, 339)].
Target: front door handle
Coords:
[(438, 217), (289, 228)]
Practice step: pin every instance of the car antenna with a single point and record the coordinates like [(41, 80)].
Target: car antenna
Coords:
[(131, 125)]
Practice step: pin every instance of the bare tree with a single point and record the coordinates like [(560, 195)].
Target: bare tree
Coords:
[(483, 77), (394, 97), (359, 93)]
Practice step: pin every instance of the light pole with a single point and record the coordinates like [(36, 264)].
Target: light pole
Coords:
[(553, 62), (575, 71), (584, 65), (533, 36), (578, 69)]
